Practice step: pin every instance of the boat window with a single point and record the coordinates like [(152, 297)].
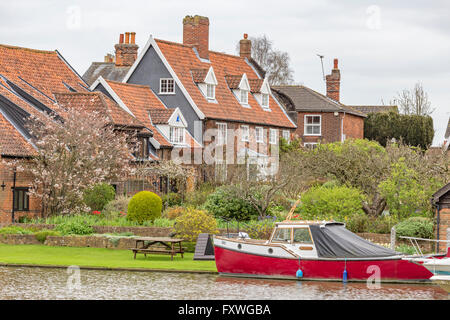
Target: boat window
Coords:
[(282, 235), (302, 235)]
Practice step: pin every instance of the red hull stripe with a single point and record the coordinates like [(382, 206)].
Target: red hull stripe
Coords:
[(233, 262)]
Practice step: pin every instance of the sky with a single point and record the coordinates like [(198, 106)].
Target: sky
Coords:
[(383, 47)]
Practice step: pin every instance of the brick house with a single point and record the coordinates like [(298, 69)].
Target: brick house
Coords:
[(215, 92), (321, 118), (441, 201), (28, 79)]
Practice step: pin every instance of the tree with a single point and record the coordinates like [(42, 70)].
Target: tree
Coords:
[(413, 101), (73, 155), (274, 62)]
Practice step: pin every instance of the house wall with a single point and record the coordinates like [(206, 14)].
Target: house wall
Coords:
[(149, 72), (331, 127), (444, 227), (6, 196)]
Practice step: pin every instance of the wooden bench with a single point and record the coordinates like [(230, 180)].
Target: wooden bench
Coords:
[(161, 245)]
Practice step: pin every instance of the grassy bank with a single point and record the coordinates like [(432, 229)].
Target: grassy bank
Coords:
[(98, 257)]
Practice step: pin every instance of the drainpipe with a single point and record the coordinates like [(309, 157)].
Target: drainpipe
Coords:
[(342, 128), (14, 196), (438, 221)]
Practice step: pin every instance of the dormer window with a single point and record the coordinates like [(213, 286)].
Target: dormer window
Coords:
[(210, 91), (244, 96), (166, 86)]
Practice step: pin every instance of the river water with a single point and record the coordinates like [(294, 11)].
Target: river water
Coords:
[(50, 284)]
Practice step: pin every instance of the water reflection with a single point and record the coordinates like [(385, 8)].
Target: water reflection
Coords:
[(44, 283)]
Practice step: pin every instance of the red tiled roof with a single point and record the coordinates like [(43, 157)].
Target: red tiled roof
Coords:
[(160, 116), (255, 84), (97, 101), (199, 75), (12, 143), (140, 100), (183, 59), (38, 72)]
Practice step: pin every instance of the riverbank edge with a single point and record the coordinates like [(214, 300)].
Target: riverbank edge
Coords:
[(54, 266)]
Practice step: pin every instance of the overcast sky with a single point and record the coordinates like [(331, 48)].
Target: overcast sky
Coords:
[(382, 46)]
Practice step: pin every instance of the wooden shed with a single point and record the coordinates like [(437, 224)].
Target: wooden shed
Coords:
[(441, 201)]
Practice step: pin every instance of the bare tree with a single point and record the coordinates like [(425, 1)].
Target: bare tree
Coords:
[(413, 101), (274, 62)]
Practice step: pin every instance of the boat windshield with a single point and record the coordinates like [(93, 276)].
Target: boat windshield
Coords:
[(282, 235), (302, 235)]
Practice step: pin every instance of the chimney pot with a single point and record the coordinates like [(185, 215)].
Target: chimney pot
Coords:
[(126, 52), (121, 38), (245, 36), (127, 37), (133, 37), (335, 63)]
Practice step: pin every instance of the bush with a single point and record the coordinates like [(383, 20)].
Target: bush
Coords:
[(415, 227), (172, 199), (360, 223), (42, 235), (331, 203), (224, 202), (98, 196), (74, 228), (144, 206), (193, 222), (197, 198), (116, 208), (173, 212), (15, 230), (261, 229)]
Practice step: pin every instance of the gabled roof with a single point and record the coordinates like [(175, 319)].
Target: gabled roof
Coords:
[(307, 100), (375, 109), (107, 70), (182, 59), (441, 192), (98, 101), (161, 116)]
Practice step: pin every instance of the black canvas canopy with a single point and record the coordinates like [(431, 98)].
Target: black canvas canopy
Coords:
[(333, 240)]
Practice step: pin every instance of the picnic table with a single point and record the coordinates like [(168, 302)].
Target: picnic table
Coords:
[(158, 245)]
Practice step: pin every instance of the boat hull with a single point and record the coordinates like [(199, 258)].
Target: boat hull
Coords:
[(231, 262)]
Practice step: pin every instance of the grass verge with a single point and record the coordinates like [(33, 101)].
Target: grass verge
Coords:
[(98, 257)]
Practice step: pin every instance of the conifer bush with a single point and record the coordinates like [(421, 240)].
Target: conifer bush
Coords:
[(144, 206)]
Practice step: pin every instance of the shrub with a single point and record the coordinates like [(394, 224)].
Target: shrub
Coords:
[(198, 197), (172, 199), (173, 212), (415, 227), (15, 230), (359, 223), (144, 206), (116, 208), (42, 235), (261, 229), (98, 196), (72, 227), (224, 202), (333, 203), (193, 222)]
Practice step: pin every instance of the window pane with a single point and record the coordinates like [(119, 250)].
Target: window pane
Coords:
[(20, 207), (302, 235), (316, 129), (244, 96), (282, 235)]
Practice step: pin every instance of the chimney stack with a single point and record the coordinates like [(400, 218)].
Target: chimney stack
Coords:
[(245, 47), (126, 51), (196, 33), (334, 82)]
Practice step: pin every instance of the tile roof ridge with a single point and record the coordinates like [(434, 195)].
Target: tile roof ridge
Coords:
[(128, 84), (28, 49)]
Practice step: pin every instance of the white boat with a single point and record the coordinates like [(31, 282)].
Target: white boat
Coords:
[(441, 271)]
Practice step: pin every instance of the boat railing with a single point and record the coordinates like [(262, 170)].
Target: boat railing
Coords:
[(416, 245)]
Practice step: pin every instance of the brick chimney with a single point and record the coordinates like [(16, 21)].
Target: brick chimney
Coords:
[(245, 47), (126, 50), (196, 33), (334, 82)]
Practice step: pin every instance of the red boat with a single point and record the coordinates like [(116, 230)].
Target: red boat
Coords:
[(314, 250)]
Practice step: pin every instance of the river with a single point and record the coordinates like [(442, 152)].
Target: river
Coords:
[(62, 284)]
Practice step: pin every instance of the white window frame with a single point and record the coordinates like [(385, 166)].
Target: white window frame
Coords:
[(259, 138), (161, 80), (288, 134), (273, 135), (242, 92), (245, 138), (306, 125), (213, 89), (175, 134), (308, 144), (263, 96), (221, 133)]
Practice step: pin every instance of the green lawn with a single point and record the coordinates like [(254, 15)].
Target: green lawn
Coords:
[(98, 257)]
